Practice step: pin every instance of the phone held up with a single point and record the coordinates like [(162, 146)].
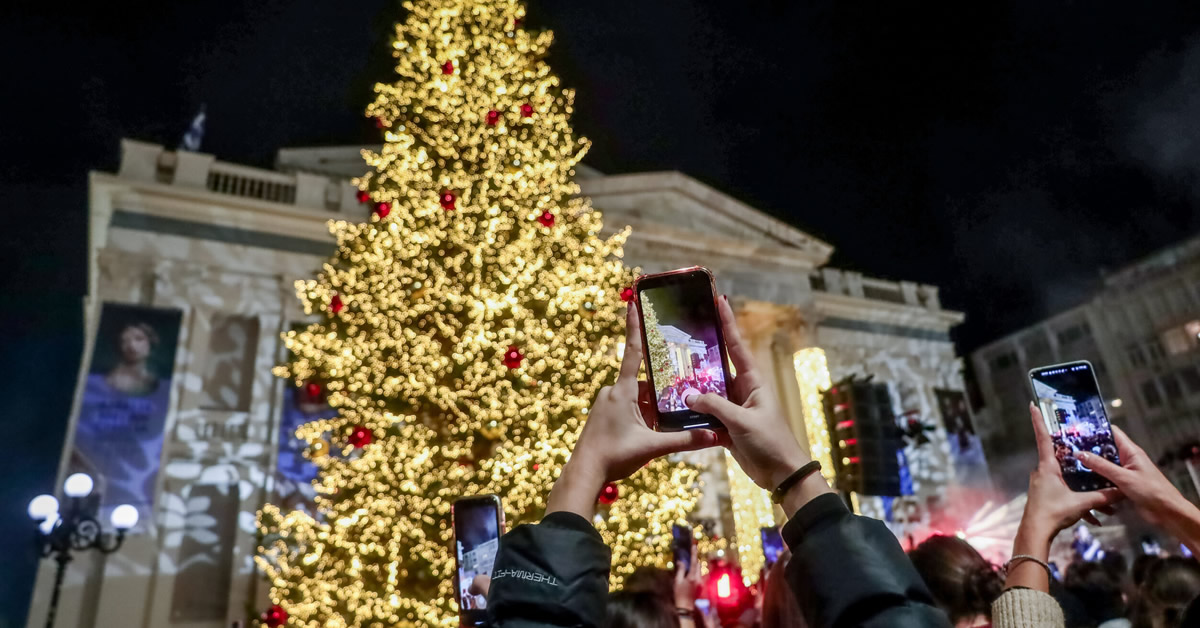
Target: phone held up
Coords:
[(478, 523), (1075, 415), (683, 344), (681, 547)]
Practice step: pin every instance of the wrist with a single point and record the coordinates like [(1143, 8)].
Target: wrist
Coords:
[(1033, 539), (787, 466), (805, 491)]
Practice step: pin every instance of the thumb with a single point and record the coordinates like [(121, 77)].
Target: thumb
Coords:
[(1101, 465), (691, 440), (714, 404)]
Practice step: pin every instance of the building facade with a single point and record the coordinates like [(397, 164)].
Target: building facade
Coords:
[(223, 244), (1140, 331)]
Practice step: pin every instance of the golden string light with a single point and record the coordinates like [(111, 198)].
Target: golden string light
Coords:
[(465, 328), (752, 511), (812, 378)]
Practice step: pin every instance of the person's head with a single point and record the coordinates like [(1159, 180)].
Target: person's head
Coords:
[(962, 582), (1141, 566), (1096, 587), (135, 342), (1170, 586), (639, 609), (652, 580), (780, 608)]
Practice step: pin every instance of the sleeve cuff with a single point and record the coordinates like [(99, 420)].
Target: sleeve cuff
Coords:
[(1023, 607), (564, 520), (813, 515)]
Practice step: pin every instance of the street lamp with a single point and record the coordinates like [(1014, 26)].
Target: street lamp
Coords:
[(75, 528)]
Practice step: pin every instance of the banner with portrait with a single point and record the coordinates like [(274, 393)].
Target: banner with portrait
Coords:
[(126, 394), (294, 473), (966, 450)]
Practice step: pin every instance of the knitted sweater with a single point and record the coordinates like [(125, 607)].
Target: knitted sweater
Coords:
[(1026, 608)]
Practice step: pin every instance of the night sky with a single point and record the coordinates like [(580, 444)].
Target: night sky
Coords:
[(1004, 151)]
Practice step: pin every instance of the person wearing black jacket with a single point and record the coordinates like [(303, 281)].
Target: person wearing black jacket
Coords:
[(845, 570)]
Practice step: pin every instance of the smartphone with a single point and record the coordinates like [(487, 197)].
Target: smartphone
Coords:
[(772, 544), (478, 523), (681, 547), (684, 347), (1075, 415)]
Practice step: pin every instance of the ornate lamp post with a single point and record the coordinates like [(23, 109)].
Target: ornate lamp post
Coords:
[(75, 528)]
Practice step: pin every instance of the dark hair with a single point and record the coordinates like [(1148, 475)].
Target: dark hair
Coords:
[(1097, 588), (1170, 585), (962, 582), (652, 580), (639, 609), (1141, 566), (145, 328), (780, 608)]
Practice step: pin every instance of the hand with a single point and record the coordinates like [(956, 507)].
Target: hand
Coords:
[(617, 438), (1050, 507), (758, 434), (1051, 504), (687, 583), (1156, 499)]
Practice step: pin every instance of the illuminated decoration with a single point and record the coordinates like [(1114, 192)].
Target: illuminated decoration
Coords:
[(609, 494), (513, 357), (313, 389), (429, 301), (526, 110), (656, 346), (275, 616), (627, 294), (382, 209), (546, 219), (360, 436), (752, 511), (812, 378), (493, 117), (723, 588), (363, 196)]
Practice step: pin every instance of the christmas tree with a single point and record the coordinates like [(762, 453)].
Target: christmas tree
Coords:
[(656, 348), (465, 329)]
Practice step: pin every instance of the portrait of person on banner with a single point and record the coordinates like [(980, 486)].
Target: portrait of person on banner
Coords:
[(294, 472), (966, 450), (127, 390)]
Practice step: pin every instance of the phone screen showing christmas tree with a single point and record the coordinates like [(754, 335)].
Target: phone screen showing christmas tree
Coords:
[(683, 345)]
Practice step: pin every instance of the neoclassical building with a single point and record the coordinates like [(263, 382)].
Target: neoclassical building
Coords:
[(222, 244)]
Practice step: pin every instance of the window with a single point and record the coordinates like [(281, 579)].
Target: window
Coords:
[(229, 372), (1073, 334), (1150, 394), (1191, 379), (1004, 361), (1135, 355), (1156, 352), (1172, 388)]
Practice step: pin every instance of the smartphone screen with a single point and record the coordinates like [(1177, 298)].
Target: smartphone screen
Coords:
[(684, 347), (1074, 411), (478, 522), (772, 544), (681, 547)]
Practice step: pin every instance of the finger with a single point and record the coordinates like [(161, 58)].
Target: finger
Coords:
[(646, 404), (1090, 518), (739, 351), (694, 566), (1101, 465), (1125, 445), (716, 405), (1045, 446), (632, 360), (673, 442)]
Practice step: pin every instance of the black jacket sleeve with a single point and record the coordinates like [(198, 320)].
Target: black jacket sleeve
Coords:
[(850, 571), (554, 573)]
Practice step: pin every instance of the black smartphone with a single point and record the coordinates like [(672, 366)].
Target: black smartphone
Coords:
[(683, 344), (478, 523), (1069, 398), (681, 547), (772, 544)]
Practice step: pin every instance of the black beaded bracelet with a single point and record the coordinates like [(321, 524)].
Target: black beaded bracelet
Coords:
[(794, 479)]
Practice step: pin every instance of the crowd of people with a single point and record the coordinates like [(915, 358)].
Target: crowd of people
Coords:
[(840, 569), (671, 399), (1067, 445)]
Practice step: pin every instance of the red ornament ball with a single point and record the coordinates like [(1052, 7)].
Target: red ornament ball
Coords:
[(609, 493), (547, 219), (335, 304), (526, 110), (448, 200), (275, 616), (380, 123), (363, 196), (383, 208), (313, 389), (627, 294), (493, 117), (360, 437), (448, 67), (513, 357)]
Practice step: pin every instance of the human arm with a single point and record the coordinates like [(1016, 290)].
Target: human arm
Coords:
[(1156, 499), (845, 569)]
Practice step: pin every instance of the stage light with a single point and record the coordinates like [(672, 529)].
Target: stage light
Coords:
[(723, 589), (124, 517), (78, 485)]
